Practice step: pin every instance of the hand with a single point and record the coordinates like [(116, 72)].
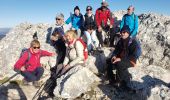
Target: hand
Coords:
[(53, 38), (111, 26), (116, 60), (22, 69), (113, 58), (53, 54), (99, 28)]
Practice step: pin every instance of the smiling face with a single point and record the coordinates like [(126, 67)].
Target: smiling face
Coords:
[(59, 21), (35, 46), (70, 35), (77, 12), (124, 35)]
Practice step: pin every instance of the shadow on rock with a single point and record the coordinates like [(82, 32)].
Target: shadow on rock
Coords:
[(12, 91)]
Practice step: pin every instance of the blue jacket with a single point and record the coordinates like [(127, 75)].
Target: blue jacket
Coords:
[(77, 21), (132, 22)]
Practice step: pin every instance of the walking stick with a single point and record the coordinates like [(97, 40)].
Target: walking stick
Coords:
[(9, 78)]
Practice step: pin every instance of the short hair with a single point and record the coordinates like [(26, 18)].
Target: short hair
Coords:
[(35, 42), (72, 32), (132, 7)]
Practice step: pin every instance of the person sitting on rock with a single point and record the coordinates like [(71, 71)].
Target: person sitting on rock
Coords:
[(74, 54), (90, 26), (123, 57), (103, 16), (76, 21), (131, 20), (29, 63)]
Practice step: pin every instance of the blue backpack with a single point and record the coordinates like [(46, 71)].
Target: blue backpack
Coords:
[(139, 49)]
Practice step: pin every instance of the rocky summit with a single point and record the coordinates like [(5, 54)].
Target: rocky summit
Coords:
[(150, 78)]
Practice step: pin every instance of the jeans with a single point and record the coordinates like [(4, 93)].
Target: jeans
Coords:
[(92, 40), (33, 76)]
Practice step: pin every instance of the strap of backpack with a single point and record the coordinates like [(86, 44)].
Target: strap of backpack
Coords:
[(29, 56)]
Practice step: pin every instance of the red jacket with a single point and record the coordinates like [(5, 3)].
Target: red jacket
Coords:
[(103, 16), (33, 62)]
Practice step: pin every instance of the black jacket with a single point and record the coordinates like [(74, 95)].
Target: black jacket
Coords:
[(126, 49), (89, 22)]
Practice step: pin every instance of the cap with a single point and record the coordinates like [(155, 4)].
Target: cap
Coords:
[(104, 3), (88, 7)]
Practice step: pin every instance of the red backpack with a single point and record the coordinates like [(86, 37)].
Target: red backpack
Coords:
[(85, 51)]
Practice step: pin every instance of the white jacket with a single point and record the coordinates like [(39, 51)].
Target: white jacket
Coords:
[(74, 53)]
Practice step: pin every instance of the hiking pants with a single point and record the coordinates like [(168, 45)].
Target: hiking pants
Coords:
[(111, 34), (33, 76), (121, 70), (92, 40)]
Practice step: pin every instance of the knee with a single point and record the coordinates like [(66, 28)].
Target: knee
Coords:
[(40, 69)]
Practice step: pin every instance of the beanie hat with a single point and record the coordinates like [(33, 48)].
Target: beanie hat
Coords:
[(76, 8), (125, 29)]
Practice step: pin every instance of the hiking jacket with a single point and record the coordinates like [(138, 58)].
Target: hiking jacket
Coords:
[(33, 62), (132, 22), (89, 22), (102, 17), (74, 53), (124, 50), (76, 21)]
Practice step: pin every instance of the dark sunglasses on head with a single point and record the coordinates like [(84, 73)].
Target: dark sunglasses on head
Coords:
[(36, 47), (88, 10), (58, 19)]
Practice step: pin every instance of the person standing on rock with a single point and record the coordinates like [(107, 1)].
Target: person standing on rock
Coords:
[(76, 21), (104, 22), (131, 20), (123, 57), (29, 63), (90, 29)]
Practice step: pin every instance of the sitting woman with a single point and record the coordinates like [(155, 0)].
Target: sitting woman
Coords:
[(74, 52), (90, 29)]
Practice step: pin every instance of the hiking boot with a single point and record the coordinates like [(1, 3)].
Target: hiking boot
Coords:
[(37, 84), (24, 82)]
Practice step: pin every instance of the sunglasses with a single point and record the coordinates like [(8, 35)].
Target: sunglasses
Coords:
[(128, 9), (58, 19), (88, 10), (36, 47)]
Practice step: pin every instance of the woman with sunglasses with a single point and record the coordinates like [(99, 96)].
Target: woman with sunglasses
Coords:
[(131, 20), (29, 63), (90, 27)]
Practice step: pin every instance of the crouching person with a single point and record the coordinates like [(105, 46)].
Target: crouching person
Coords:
[(124, 57), (29, 63)]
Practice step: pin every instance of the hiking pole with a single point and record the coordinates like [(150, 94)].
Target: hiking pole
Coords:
[(9, 78), (39, 91)]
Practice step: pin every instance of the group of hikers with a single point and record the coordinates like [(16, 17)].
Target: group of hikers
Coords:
[(72, 48)]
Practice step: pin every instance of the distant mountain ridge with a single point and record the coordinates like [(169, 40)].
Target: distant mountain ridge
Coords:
[(3, 31)]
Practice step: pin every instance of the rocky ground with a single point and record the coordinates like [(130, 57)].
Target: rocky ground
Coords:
[(149, 78)]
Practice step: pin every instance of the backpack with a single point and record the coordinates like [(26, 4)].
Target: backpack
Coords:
[(139, 49), (29, 55), (85, 51)]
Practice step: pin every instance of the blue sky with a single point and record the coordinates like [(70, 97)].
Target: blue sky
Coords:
[(13, 12)]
